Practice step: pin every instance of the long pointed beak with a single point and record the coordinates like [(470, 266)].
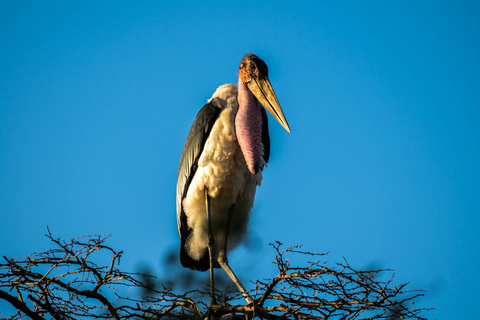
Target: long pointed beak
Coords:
[(263, 91)]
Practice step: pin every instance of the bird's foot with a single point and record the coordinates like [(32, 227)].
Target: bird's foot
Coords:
[(248, 299), (213, 304), (212, 309)]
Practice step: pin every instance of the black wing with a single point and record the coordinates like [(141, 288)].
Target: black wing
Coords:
[(192, 150)]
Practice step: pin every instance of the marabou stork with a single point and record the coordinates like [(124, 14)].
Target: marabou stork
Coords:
[(221, 166)]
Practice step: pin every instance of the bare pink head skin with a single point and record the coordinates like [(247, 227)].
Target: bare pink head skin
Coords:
[(254, 87)]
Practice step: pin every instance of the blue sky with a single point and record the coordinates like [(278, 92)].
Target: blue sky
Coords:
[(382, 166)]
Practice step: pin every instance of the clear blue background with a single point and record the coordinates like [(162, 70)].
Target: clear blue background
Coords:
[(382, 166)]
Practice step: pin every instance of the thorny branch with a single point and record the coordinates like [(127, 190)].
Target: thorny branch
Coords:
[(66, 283)]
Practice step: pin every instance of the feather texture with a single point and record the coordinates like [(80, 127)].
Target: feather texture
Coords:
[(213, 159)]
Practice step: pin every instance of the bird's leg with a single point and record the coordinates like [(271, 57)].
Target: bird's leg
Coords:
[(210, 243), (222, 260)]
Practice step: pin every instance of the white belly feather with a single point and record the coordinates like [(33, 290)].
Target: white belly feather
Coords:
[(223, 171)]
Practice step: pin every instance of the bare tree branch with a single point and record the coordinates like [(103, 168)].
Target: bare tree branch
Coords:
[(66, 283)]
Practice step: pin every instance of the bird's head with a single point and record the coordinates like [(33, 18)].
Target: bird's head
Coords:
[(254, 74)]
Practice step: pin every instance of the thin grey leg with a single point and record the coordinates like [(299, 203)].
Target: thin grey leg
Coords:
[(223, 261), (210, 243)]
